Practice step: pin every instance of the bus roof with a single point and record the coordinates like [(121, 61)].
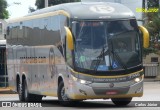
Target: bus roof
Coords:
[(88, 10)]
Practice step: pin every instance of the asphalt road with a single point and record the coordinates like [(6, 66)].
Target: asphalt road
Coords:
[(151, 96)]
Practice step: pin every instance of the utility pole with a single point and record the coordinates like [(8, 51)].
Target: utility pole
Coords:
[(46, 3)]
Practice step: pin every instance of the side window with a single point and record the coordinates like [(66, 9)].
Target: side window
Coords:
[(35, 31), (14, 32), (27, 28), (8, 33), (20, 30), (55, 20), (63, 22)]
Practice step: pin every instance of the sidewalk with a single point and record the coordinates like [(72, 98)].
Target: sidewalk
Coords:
[(5, 90), (151, 79)]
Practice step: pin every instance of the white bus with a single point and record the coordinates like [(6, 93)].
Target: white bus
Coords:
[(77, 51)]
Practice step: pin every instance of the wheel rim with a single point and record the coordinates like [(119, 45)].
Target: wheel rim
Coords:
[(63, 95)]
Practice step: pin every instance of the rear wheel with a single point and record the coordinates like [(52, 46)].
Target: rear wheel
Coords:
[(30, 97), (121, 101), (21, 92)]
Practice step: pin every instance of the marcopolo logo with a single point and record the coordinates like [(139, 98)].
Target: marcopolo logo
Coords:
[(102, 9)]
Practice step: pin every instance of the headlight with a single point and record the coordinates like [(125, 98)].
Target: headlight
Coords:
[(84, 81), (139, 79), (80, 80)]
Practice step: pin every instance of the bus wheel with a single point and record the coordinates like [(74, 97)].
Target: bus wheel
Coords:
[(121, 101), (62, 97), (30, 97), (21, 92)]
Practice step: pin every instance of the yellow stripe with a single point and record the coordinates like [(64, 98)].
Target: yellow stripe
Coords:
[(145, 36), (106, 76), (106, 96), (40, 16), (49, 94)]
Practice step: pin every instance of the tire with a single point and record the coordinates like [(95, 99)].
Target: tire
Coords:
[(62, 97), (121, 101), (21, 92), (30, 97)]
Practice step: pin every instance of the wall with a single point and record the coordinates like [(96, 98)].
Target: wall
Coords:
[(153, 60)]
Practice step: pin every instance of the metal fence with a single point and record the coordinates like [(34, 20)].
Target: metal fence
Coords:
[(151, 70)]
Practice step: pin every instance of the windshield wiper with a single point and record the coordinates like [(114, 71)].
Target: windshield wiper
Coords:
[(101, 55), (117, 57)]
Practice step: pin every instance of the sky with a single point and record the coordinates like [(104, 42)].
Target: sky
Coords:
[(21, 9)]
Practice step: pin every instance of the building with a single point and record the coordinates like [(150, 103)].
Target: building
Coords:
[(3, 25)]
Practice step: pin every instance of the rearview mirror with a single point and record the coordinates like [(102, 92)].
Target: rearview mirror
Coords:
[(69, 38), (145, 36)]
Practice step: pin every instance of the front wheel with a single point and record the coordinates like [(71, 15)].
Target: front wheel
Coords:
[(121, 101), (62, 96)]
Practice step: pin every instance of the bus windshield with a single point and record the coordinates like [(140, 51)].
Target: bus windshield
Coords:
[(106, 45)]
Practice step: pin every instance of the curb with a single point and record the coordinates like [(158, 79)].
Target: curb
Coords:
[(6, 91)]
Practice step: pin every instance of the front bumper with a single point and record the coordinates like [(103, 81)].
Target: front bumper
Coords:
[(104, 91)]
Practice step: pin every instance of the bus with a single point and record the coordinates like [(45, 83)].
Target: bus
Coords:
[(77, 51)]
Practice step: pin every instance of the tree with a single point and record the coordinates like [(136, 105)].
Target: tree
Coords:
[(153, 3), (153, 24), (40, 3), (3, 12)]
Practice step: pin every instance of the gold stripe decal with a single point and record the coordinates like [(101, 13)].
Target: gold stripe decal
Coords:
[(39, 16)]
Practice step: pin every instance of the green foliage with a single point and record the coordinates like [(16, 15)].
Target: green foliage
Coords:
[(3, 12), (40, 3), (153, 27), (153, 3), (153, 24), (146, 51)]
